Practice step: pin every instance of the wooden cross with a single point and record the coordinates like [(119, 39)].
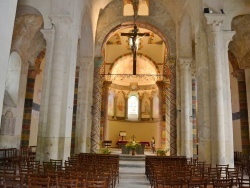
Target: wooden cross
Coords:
[(133, 137)]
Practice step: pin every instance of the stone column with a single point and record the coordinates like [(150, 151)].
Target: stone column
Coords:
[(229, 144), (115, 104), (96, 107), (7, 15), (29, 94), (217, 114), (194, 108), (49, 36), (106, 86), (126, 106), (61, 90), (247, 77), (186, 126), (171, 118), (140, 105), (151, 108), (83, 103), (162, 125), (203, 106)]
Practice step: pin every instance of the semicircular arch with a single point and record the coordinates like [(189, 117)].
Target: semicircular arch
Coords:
[(108, 25)]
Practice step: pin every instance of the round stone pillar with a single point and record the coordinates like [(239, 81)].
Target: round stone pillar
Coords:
[(106, 86), (58, 91), (83, 104), (96, 107), (217, 114), (229, 144), (186, 126)]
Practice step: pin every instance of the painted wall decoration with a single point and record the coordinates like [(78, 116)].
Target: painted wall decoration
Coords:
[(8, 123), (111, 104), (146, 106), (120, 105), (156, 111)]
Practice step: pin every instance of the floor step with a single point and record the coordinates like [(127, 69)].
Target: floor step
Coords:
[(132, 158)]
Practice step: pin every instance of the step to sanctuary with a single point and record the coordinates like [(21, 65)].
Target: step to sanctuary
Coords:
[(132, 172)]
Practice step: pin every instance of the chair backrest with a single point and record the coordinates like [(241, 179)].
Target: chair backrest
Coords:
[(38, 181), (14, 181), (96, 184), (49, 166), (220, 183), (244, 182), (69, 183), (58, 163), (197, 182)]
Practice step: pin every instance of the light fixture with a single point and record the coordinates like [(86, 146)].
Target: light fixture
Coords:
[(208, 10)]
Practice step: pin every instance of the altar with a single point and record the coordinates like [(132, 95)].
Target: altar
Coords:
[(140, 150)]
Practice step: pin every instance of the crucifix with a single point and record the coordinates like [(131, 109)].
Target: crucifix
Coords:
[(134, 36), (133, 137)]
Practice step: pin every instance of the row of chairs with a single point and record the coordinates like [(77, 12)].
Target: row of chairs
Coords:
[(16, 156), (90, 170), (17, 181), (175, 172)]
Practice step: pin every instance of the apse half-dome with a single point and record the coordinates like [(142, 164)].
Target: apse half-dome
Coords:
[(123, 69)]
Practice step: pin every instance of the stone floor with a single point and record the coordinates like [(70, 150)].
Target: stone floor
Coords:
[(132, 170)]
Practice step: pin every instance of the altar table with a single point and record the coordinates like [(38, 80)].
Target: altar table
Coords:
[(139, 150)]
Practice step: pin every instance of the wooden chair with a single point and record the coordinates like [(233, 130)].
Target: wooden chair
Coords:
[(233, 173), (224, 169), (26, 171), (244, 182), (38, 181), (223, 183), (13, 181), (197, 182), (66, 183), (174, 183), (57, 163), (213, 173), (49, 167), (96, 184)]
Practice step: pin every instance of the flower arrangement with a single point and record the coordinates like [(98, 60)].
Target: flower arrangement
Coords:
[(162, 152), (133, 145), (104, 151)]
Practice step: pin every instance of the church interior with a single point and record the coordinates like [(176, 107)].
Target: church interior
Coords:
[(82, 77)]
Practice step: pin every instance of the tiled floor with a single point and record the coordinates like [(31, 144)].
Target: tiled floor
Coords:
[(132, 170)]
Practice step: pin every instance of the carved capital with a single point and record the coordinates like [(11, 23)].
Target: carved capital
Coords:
[(48, 34), (171, 61), (239, 74), (214, 22), (227, 37), (98, 61), (201, 70), (185, 63), (193, 72)]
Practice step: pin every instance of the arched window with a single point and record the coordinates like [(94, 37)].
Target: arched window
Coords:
[(133, 106)]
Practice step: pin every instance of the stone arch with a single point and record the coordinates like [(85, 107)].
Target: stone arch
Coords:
[(27, 39), (163, 28), (240, 44)]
